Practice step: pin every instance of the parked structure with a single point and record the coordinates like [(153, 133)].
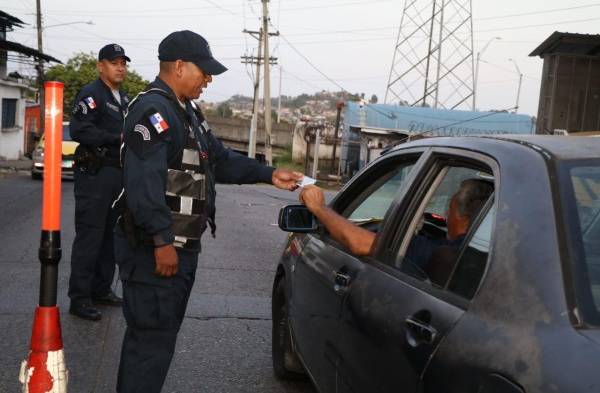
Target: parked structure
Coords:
[(570, 90)]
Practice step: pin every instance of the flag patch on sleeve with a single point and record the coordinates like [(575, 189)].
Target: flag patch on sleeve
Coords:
[(159, 123), (90, 102)]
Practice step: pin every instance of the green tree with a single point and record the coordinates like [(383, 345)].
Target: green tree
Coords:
[(224, 110), (373, 99), (81, 70)]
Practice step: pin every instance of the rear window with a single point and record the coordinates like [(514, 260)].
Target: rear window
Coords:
[(583, 199)]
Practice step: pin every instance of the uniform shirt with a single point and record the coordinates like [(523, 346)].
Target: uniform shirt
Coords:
[(151, 145), (97, 118)]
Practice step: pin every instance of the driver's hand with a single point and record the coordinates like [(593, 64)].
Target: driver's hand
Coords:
[(313, 197)]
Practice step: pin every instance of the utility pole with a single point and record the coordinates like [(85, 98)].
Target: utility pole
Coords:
[(254, 121), (279, 100), (40, 66), (267, 93), (256, 60)]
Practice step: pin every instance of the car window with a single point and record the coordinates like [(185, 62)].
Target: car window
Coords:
[(585, 181), (375, 204), (469, 269), (442, 222)]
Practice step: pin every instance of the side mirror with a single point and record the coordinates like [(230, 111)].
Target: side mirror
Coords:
[(297, 218)]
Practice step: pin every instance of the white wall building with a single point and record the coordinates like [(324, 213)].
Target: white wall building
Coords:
[(12, 118)]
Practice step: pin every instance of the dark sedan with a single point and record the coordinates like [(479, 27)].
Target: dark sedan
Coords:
[(511, 305)]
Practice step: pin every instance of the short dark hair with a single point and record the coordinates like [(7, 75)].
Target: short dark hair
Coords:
[(472, 195)]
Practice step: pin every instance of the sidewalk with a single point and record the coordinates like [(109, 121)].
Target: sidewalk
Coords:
[(23, 164)]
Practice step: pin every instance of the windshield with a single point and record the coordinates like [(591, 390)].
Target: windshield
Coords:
[(66, 133), (583, 213)]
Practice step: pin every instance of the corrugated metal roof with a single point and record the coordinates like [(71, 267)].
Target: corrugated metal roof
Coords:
[(439, 122), (8, 21), (16, 47), (569, 44)]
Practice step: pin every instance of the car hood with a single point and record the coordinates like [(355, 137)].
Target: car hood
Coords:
[(68, 147)]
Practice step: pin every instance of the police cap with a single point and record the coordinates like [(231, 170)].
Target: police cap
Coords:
[(186, 45), (112, 51)]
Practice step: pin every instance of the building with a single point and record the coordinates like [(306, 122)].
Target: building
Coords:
[(570, 89), (370, 128), (13, 96), (14, 90)]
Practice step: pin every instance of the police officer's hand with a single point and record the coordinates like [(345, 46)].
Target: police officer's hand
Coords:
[(166, 260), (286, 180), (313, 197)]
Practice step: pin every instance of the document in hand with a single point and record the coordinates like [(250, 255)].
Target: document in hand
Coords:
[(306, 181)]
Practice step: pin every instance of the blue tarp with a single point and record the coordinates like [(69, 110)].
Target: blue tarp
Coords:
[(439, 122)]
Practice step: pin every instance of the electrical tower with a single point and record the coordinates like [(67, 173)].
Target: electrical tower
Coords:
[(433, 58)]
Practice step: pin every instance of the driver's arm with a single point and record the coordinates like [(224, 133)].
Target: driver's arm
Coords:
[(358, 240)]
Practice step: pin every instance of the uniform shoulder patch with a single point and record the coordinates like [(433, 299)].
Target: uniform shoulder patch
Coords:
[(142, 134), (89, 101), (83, 107), (143, 130), (158, 122)]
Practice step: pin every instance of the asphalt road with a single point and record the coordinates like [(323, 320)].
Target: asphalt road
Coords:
[(225, 342)]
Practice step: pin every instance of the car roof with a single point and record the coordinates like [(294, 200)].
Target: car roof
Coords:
[(559, 147)]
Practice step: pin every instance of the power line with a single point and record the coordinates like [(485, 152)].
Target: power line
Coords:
[(540, 12), (221, 8), (310, 62), (540, 25)]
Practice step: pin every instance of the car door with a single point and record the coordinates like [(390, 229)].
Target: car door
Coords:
[(320, 274), (394, 315)]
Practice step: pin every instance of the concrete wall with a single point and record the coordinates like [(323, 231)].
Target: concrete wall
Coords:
[(234, 133), (12, 140)]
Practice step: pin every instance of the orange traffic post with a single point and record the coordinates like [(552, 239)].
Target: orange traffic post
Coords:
[(45, 371)]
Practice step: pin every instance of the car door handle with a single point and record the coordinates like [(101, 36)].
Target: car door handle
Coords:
[(418, 332), (341, 280)]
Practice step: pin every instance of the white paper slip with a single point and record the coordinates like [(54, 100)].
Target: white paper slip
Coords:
[(306, 181)]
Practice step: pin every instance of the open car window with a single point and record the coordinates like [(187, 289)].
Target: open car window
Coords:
[(371, 205)]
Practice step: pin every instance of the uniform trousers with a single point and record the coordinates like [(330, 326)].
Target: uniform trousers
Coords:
[(154, 308), (92, 256)]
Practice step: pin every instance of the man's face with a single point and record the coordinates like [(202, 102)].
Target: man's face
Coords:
[(194, 80), (457, 224), (114, 71)]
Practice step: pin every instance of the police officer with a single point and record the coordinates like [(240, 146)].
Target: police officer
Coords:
[(171, 161), (97, 123)]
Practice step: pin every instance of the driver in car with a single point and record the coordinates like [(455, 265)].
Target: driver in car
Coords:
[(464, 205)]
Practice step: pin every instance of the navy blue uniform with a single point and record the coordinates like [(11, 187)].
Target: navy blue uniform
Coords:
[(96, 123), (154, 306)]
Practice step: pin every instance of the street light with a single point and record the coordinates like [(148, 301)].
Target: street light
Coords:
[(520, 81), (89, 22), (477, 70)]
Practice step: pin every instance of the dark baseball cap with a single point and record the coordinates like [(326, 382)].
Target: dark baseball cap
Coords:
[(112, 51), (186, 45)]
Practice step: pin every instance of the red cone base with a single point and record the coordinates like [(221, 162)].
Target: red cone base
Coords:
[(45, 370)]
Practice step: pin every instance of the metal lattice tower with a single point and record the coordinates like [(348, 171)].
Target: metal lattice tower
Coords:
[(433, 58)]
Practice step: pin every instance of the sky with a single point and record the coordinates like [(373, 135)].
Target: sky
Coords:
[(324, 45)]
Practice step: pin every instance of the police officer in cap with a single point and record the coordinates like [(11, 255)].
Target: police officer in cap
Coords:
[(96, 123), (171, 162)]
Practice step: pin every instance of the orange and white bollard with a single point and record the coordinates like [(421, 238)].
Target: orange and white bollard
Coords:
[(45, 371)]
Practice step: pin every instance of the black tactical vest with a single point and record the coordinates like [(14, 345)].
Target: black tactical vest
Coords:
[(190, 192), (191, 186)]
